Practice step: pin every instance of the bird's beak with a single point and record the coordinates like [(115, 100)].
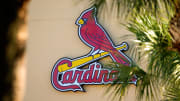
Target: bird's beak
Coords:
[(81, 22)]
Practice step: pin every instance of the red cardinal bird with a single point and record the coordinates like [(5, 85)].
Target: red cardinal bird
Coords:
[(93, 34)]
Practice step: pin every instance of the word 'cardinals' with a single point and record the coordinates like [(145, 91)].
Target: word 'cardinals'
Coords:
[(95, 36)]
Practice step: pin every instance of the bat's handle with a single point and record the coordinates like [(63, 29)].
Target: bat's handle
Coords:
[(66, 62)]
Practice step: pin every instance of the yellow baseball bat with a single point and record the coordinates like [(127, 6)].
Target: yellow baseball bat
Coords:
[(84, 60)]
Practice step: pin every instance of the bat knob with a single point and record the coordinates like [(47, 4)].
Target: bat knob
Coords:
[(63, 61), (125, 46)]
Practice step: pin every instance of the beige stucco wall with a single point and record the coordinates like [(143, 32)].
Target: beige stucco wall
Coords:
[(53, 35)]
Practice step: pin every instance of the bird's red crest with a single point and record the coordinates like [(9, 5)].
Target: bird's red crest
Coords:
[(89, 13)]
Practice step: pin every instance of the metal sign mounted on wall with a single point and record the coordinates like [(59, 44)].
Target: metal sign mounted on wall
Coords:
[(66, 74)]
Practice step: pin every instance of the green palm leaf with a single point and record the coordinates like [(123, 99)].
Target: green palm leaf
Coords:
[(172, 91), (154, 42), (126, 7)]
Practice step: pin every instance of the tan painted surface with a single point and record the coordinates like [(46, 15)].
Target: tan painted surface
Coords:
[(53, 35)]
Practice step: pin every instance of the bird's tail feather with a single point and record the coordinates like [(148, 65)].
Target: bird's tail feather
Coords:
[(120, 58)]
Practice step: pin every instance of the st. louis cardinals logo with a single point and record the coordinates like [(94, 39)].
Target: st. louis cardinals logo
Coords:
[(66, 74)]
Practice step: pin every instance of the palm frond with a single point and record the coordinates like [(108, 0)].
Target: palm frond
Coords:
[(154, 40), (123, 8), (172, 92), (125, 75), (121, 84)]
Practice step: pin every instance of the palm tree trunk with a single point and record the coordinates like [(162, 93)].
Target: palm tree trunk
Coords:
[(175, 27), (12, 48)]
